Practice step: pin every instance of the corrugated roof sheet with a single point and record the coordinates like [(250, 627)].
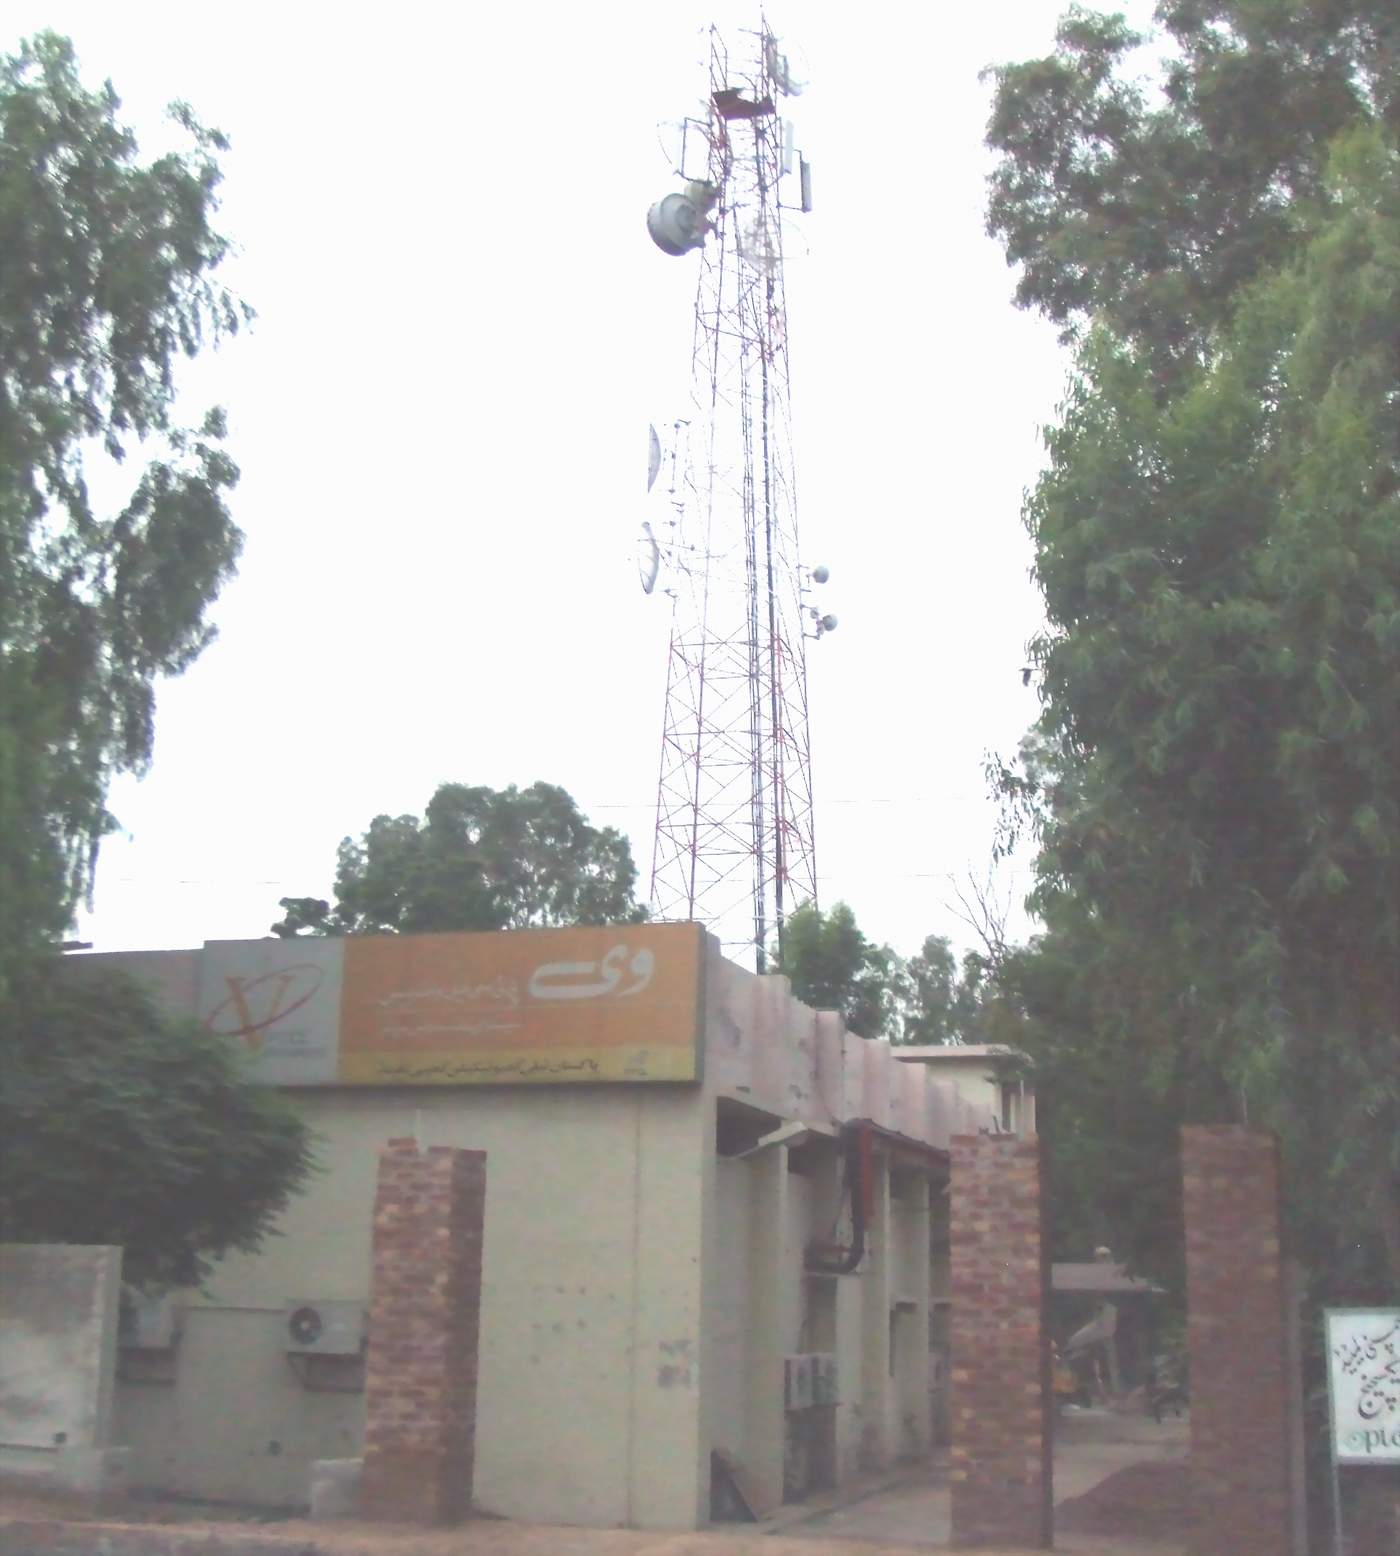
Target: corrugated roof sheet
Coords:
[(1100, 1277)]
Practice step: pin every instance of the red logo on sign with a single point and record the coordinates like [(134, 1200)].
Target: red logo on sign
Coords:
[(255, 1004)]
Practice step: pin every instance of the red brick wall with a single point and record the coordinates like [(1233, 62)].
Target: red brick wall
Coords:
[(1240, 1408), (1001, 1405), (425, 1298), (1371, 1509)]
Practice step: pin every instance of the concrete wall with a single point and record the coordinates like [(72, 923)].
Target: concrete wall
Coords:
[(590, 1312), (58, 1331), (58, 1334), (227, 1418), (726, 1311), (969, 1070)]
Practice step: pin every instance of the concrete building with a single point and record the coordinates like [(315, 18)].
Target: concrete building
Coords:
[(989, 1077), (714, 1224)]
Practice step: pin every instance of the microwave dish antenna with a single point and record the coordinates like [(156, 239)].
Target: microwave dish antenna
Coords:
[(653, 457), (679, 221)]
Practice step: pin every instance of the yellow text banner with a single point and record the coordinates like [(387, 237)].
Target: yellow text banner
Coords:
[(535, 1006)]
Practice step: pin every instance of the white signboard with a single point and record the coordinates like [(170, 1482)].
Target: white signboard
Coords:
[(1363, 1381), (281, 1000)]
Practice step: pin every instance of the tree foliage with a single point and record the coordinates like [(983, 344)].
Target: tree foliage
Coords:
[(928, 998), (943, 1000), (1152, 210), (1216, 771), (935, 1015), (832, 966), (120, 1126), (107, 280), (478, 859)]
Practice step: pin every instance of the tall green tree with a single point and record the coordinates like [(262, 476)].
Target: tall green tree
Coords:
[(107, 279), (478, 859), (942, 1000), (1217, 536), (1152, 206), (115, 1126), (933, 994)]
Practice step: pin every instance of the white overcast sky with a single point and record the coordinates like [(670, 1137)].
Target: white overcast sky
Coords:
[(440, 414)]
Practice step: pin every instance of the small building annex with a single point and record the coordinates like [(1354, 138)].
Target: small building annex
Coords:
[(714, 1230)]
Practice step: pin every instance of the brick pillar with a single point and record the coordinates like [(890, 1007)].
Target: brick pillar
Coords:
[(1001, 1403), (1237, 1340), (425, 1297), (1371, 1509)]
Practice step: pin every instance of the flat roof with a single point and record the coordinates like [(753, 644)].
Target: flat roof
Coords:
[(923, 1053)]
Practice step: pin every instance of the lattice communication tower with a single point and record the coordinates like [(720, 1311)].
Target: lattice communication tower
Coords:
[(734, 841)]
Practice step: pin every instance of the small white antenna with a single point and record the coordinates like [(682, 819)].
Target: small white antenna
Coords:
[(653, 457), (789, 145), (824, 622), (805, 174), (648, 559)]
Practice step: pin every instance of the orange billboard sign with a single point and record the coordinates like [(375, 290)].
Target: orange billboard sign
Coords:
[(549, 1006)]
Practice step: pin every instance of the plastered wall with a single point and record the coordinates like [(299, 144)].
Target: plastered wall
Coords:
[(58, 1321), (590, 1312)]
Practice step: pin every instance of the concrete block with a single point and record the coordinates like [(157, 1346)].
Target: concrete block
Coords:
[(100, 1473), (335, 1488), (97, 1472), (58, 1344)]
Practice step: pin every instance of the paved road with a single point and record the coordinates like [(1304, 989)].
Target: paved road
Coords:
[(1090, 1445)]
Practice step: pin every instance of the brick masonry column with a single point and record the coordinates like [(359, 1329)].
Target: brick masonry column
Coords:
[(1371, 1509), (425, 1302), (1236, 1337), (1001, 1404)]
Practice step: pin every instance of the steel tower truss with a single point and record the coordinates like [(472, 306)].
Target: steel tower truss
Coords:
[(734, 825)]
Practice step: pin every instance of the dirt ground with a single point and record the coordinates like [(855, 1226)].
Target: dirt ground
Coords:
[(487, 1538)]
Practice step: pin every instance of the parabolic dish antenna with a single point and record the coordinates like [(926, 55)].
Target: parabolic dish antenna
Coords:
[(760, 248), (678, 222), (648, 558), (653, 457), (785, 75)]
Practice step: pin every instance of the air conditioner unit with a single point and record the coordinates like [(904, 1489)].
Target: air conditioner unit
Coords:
[(826, 1384), (314, 1326), (146, 1323), (797, 1382)]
